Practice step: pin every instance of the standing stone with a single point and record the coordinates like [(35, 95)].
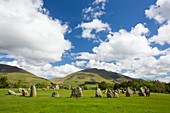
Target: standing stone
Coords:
[(33, 92), (48, 87), (98, 92), (115, 95), (76, 92), (57, 87), (24, 92), (129, 92), (118, 91), (109, 94), (79, 92), (55, 94), (73, 93), (20, 90), (123, 91), (10, 92), (142, 91)]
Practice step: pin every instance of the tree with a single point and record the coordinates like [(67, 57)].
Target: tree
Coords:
[(4, 82), (135, 84), (160, 86), (116, 86), (19, 84), (43, 84), (103, 85), (167, 87)]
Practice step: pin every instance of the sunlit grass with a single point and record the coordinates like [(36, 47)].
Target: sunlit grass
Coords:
[(44, 103)]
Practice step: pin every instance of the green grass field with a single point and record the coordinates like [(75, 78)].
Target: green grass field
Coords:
[(44, 103), (13, 77)]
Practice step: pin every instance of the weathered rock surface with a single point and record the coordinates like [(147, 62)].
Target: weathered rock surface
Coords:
[(98, 93), (76, 92), (33, 92), (129, 92), (142, 91), (55, 94), (25, 92), (115, 95), (57, 87), (20, 90), (109, 93), (10, 92)]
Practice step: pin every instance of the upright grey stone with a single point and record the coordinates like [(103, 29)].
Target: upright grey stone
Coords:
[(98, 93), (20, 90), (109, 93), (115, 95), (142, 91), (129, 92), (55, 94), (24, 92), (10, 92), (48, 87), (33, 92), (80, 93), (123, 91), (76, 92), (73, 93), (57, 87), (117, 91)]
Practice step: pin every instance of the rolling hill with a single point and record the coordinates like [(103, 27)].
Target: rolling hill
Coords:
[(92, 75), (14, 74)]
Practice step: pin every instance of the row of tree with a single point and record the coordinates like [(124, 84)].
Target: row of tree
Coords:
[(154, 86), (4, 83)]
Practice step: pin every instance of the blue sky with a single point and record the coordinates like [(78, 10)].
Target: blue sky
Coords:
[(56, 38)]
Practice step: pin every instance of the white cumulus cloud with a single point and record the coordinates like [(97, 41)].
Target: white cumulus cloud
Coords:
[(81, 63), (95, 10), (159, 11), (163, 35), (123, 45), (165, 79), (129, 53), (95, 25), (27, 31), (103, 65)]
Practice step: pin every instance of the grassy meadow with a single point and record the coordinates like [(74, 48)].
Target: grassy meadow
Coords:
[(44, 103), (13, 77)]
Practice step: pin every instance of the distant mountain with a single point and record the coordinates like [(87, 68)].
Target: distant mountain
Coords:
[(14, 74), (9, 69), (92, 75)]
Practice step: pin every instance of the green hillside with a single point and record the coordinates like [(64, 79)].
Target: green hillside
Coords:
[(91, 75), (79, 78), (14, 74)]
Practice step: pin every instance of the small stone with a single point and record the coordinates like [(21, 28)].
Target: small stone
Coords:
[(10, 92), (55, 94)]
